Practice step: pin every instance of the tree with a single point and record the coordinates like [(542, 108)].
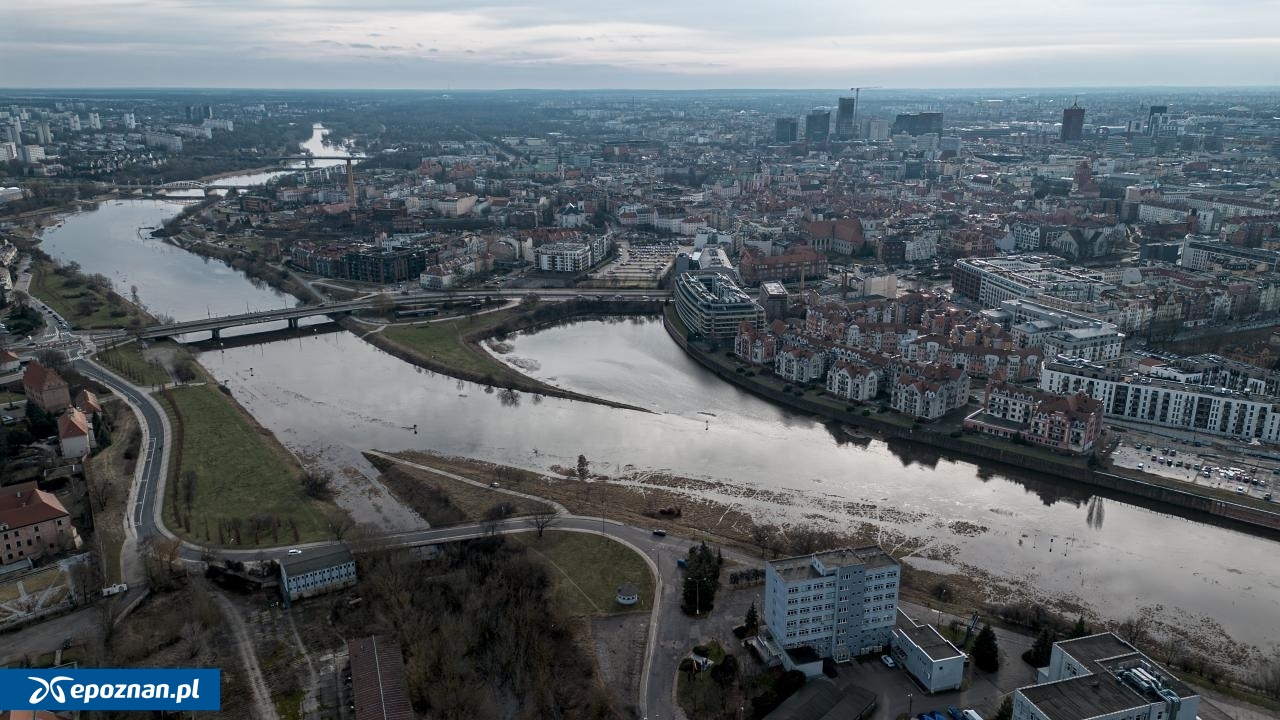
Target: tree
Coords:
[(701, 580), (317, 483), (986, 653), (764, 536), (1041, 650), (584, 468), (543, 519), (752, 622), (1080, 630), (340, 524)]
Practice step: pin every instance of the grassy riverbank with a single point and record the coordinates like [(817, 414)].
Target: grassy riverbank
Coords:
[(231, 483), (453, 347), (86, 301)]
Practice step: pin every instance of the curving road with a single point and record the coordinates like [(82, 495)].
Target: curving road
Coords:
[(669, 629)]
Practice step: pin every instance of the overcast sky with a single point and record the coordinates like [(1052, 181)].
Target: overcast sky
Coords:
[(489, 44)]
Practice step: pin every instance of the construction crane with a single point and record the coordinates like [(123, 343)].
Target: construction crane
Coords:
[(857, 130)]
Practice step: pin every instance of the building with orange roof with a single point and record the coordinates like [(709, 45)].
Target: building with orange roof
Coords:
[(45, 387), (75, 433), (88, 403), (9, 362), (33, 523)]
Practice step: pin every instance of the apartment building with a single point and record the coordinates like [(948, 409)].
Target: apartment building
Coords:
[(839, 603), (1168, 403), (1068, 424)]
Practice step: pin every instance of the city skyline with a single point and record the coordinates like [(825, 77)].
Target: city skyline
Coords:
[(497, 44)]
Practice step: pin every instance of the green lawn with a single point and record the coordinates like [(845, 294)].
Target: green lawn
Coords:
[(127, 360), (443, 342), (242, 474), (78, 302), (587, 570)]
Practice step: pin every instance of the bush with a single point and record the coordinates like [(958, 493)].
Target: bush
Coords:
[(701, 651)]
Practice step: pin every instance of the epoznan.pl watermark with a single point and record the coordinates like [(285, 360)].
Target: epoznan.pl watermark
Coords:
[(135, 689)]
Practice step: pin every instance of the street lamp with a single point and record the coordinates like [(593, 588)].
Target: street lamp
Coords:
[(908, 706)]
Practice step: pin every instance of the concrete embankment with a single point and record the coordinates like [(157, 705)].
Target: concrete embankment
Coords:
[(1073, 469)]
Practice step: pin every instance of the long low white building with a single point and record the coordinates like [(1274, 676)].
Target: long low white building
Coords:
[(932, 660), (1168, 403)]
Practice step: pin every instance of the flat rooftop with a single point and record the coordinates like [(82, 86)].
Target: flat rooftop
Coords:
[(802, 566), (1082, 697), (930, 642)]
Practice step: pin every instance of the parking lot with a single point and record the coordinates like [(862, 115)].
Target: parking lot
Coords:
[(1209, 464), (638, 265)]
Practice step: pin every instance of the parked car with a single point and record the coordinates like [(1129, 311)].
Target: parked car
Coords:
[(1240, 489), (888, 661), (955, 713), (659, 532)]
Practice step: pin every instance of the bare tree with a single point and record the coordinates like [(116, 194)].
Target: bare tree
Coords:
[(340, 524), (543, 519), (764, 536)]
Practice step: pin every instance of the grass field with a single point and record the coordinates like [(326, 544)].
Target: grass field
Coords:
[(587, 570), (127, 360), (78, 301), (443, 342), (243, 474)]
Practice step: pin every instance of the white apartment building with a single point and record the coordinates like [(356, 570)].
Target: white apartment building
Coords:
[(1102, 677), (1099, 345), (1168, 403), (567, 257), (841, 603)]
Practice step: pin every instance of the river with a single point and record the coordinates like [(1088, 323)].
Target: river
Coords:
[(328, 397)]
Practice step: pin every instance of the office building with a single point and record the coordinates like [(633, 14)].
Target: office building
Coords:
[(711, 305), (817, 126), (1102, 677), (845, 116), (839, 604), (786, 130), (915, 124), (1072, 124), (936, 663)]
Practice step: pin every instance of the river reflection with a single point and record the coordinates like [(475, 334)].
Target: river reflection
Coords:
[(335, 396)]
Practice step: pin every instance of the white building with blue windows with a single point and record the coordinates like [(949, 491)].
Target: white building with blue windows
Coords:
[(315, 571), (840, 603)]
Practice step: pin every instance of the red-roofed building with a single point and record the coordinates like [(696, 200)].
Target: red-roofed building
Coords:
[(9, 362), (1069, 424), (75, 433), (45, 387), (377, 680), (33, 523), (88, 403)]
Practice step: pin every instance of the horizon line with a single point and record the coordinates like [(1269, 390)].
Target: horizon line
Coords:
[(60, 88)]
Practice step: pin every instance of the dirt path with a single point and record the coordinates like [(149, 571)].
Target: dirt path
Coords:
[(253, 672)]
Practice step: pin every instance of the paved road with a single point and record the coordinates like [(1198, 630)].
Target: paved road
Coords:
[(82, 625)]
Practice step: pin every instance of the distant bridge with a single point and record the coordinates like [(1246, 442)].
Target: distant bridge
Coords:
[(216, 325)]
